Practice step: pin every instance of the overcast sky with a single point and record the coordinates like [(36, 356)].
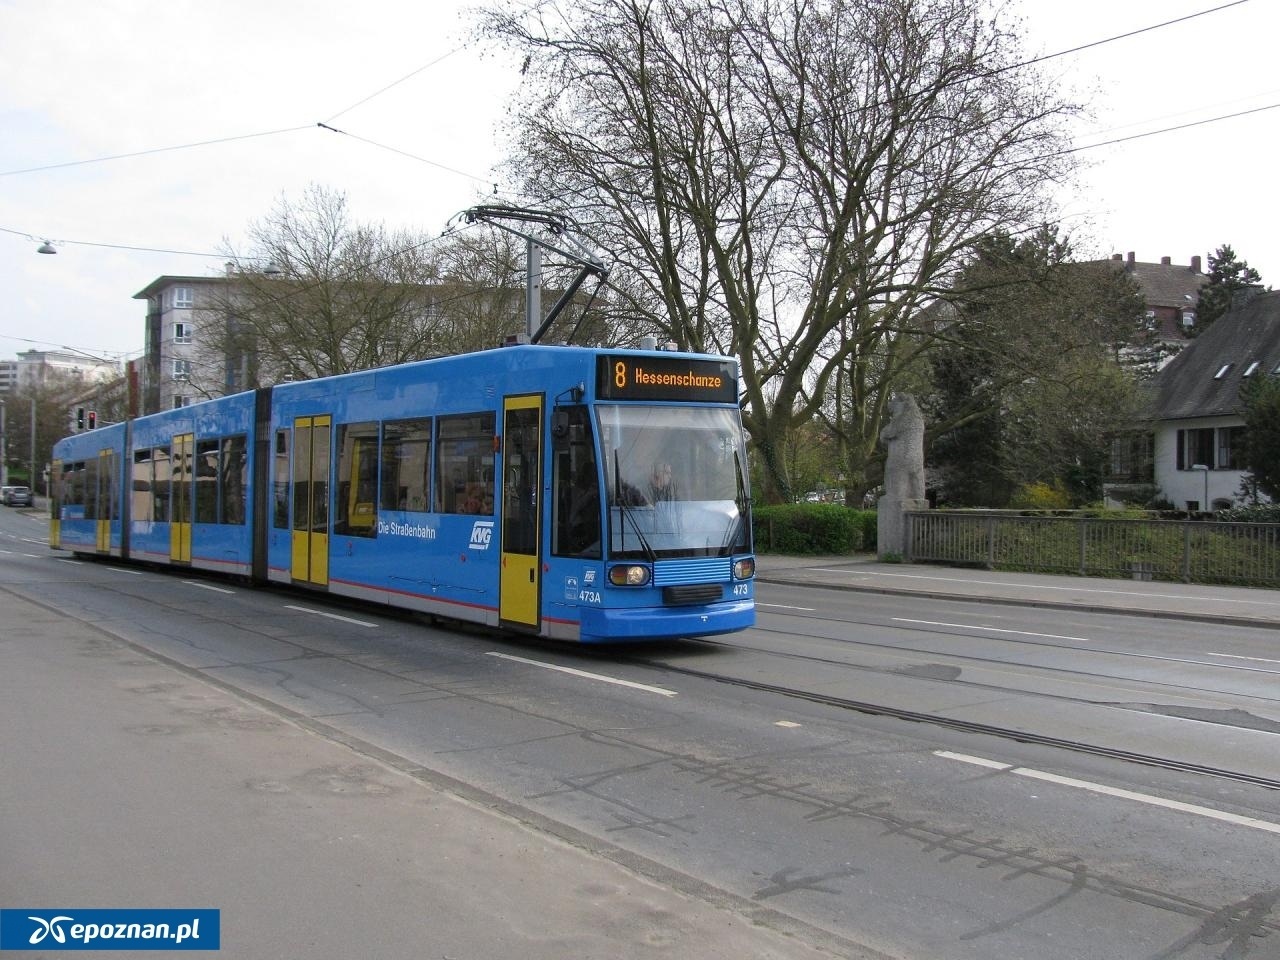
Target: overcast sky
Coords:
[(87, 79)]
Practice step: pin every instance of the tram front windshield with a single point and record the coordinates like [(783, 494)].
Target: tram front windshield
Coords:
[(675, 481)]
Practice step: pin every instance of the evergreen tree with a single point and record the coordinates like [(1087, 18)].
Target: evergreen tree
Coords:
[(1261, 401), (1227, 275), (1033, 373)]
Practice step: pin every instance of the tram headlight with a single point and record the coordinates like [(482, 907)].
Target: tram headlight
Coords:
[(624, 575), (744, 569)]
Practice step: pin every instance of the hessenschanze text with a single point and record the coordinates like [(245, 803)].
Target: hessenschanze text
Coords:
[(689, 379)]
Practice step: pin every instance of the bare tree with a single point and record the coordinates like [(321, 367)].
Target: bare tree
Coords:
[(788, 182), (45, 404), (320, 295)]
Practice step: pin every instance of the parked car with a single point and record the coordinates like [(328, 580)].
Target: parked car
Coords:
[(4, 494), (17, 497)]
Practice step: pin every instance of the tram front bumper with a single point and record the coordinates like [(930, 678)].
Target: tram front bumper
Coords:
[(665, 623)]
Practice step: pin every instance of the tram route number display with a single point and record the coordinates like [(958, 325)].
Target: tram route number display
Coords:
[(666, 378)]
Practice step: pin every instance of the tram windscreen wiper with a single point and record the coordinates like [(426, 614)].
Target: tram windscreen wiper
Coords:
[(620, 498), (740, 500)]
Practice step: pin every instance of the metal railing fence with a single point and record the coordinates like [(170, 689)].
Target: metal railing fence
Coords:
[(1192, 551)]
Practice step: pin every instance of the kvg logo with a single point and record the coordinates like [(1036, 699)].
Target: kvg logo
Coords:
[(481, 535)]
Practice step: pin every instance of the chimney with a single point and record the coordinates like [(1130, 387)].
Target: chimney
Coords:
[(1129, 259), (1195, 264), (1166, 261)]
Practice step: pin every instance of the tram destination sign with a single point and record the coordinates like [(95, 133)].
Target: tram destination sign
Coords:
[(666, 378)]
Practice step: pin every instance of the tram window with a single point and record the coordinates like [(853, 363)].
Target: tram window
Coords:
[(89, 483), (355, 510), (464, 462), (280, 484), (143, 482), (182, 470), (406, 465), (575, 526), (77, 485), (106, 487), (206, 481), (233, 472), (163, 473), (521, 478)]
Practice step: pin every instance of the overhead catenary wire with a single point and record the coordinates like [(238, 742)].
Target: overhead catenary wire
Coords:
[(404, 153)]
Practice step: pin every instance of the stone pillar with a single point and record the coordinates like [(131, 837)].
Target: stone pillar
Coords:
[(903, 475)]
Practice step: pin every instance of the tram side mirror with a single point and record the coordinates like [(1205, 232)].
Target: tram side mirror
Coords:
[(560, 423)]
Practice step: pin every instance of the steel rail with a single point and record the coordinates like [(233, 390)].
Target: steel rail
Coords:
[(969, 726)]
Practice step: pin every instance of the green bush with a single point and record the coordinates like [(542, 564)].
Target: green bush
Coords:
[(1040, 496), (1263, 513), (813, 528)]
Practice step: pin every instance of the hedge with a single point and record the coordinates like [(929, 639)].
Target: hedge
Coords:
[(813, 528)]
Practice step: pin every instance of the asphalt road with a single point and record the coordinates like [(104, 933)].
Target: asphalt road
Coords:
[(727, 776)]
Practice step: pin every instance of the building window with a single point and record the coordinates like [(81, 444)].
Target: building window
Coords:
[(182, 370), (1132, 458), (179, 402), (1195, 447), (182, 297), (1250, 370), (1223, 371), (181, 332), (1230, 448)]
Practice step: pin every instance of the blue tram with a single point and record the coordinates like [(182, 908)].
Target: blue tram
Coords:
[(569, 493)]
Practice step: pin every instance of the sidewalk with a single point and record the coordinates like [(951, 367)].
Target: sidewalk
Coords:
[(130, 782), (1245, 606)]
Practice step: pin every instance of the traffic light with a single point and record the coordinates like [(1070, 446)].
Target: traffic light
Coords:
[(79, 418), (93, 419)]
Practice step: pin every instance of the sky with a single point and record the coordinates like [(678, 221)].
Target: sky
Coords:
[(420, 109)]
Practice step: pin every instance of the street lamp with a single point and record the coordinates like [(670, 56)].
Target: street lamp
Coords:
[(1205, 468)]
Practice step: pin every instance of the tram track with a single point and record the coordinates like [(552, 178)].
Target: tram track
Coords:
[(859, 706), (1069, 672), (968, 726)]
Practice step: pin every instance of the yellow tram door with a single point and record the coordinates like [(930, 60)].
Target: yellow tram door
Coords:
[(55, 501), (520, 583), (180, 498), (106, 500), (312, 447)]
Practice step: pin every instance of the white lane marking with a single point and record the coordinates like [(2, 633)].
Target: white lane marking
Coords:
[(132, 573), (74, 563), (783, 606), (970, 626), (1231, 656), (1117, 653), (789, 724), (1209, 812), (582, 673), (331, 616), (206, 586), (43, 543), (969, 581)]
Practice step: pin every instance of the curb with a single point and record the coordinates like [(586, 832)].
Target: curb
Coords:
[(1227, 619)]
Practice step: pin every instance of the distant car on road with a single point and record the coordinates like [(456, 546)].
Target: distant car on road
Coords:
[(17, 497)]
